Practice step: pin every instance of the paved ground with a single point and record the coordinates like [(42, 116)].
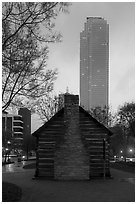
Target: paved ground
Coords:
[(15, 167), (119, 189)]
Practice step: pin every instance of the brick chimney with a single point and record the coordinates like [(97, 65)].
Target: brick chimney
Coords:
[(71, 106), (71, 159)]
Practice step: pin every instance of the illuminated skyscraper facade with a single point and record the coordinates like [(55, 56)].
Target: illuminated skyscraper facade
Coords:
[(94, 63)]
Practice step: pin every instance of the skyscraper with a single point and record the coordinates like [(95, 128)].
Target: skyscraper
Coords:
[(94, 63)]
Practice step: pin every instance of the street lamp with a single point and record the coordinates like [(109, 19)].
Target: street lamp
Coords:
[(121, 151), (8, 142), (6, 152)]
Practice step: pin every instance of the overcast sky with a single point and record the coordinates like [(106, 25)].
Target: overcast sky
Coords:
[(65, 55)]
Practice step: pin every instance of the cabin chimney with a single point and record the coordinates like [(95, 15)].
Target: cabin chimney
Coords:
[(71, 160), (71, 105)]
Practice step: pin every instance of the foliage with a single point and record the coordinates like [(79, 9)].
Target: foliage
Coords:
[(124, 129), (6, 136), (29, 143), (117, 139), (27, 28), (102, 114), (126, 118)]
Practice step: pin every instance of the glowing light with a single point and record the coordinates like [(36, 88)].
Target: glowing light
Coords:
[(121, 151)]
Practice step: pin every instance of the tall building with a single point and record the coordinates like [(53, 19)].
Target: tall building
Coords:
[(94, 63)]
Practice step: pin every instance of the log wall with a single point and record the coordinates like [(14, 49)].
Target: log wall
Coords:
[(93, 136)]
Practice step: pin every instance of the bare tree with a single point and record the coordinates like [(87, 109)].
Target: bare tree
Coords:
[(27, 28), (124, 129), (103, 115), (47, 107), (126, 117)]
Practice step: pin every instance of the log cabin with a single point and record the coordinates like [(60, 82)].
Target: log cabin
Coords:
[(72, 145)]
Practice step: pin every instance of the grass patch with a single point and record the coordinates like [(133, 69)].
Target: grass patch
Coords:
[(30, 166), (124, 166), (10, 192)]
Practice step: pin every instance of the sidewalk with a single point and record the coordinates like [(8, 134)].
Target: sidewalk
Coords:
[(119, 189)]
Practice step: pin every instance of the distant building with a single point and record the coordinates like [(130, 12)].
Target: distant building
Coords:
[(94, 63), (12, 129), (26, 117), (16, 128)]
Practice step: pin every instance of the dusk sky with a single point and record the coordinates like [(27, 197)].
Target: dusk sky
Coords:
[(66, 55)]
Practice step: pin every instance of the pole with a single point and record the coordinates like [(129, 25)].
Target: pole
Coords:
[(104, 158)]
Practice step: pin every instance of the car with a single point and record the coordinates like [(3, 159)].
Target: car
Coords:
[(130, 159)]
